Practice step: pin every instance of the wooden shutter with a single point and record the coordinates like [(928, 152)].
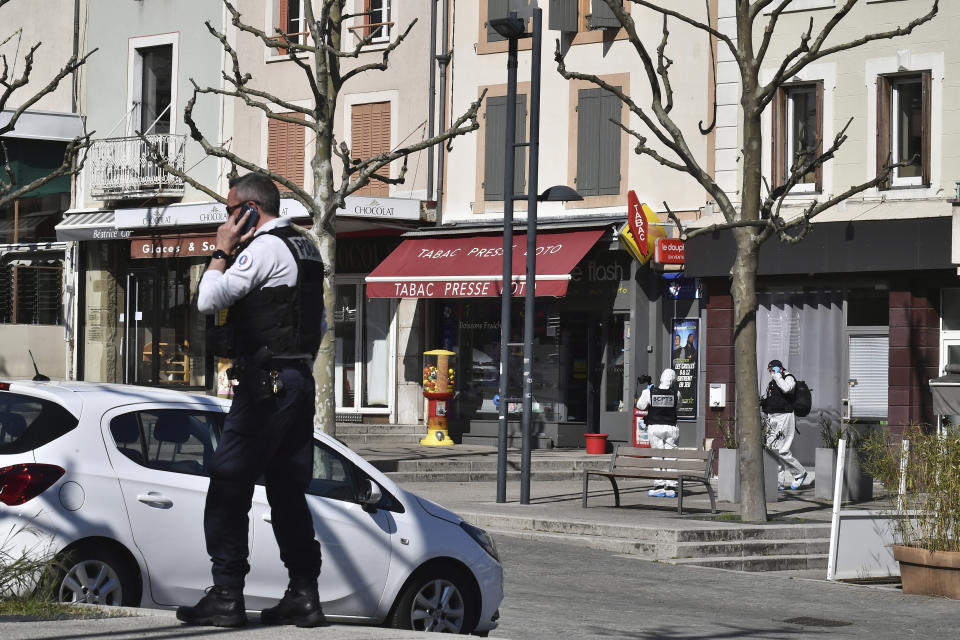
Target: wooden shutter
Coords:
[(883, 126), (496, 9), (819, 103), (925, 153), (869, 358), (601, 16), (588, 132), (609, 145), (563, 15), (370, 136), (779, 137), (495, 136), (282, 21), (286, 142)]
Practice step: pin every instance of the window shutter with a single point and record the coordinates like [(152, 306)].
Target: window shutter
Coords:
[(369, 137), (588, 134), (495, 136), (285, 149), (601, 16), (608, 151), (883, 126), (925, 153), (520, 158), (869, 358), (563, 15), (496, 9), (819, 103), (779, 137)]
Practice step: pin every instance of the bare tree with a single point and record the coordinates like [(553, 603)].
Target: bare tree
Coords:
[(12, 82), (758, 217), (321, 59)]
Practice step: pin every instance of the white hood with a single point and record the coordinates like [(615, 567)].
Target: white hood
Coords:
[(667, 378)]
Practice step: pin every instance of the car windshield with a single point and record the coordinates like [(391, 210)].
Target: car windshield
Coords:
[(27, 423)]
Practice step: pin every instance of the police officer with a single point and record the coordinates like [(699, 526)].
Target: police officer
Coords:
[(274, 293), (782, 427), (661, 404)]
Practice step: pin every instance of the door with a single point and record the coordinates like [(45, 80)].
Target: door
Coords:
[(139, 356), (160, 454), (615, 406), (355, 543)]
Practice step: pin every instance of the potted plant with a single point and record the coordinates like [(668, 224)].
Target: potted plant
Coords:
[(858, 484), (728, 465), (926, 515)]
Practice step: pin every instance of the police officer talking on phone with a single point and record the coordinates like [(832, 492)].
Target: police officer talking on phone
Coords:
[(270, 278)]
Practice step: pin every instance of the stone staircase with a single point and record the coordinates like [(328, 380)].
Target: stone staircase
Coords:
[(472, 469), (772, 547), (357, 435)]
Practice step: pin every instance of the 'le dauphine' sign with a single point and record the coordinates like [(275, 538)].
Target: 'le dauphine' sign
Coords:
[(179, 215)]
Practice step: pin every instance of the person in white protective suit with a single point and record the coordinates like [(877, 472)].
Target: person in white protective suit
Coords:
[(777, 403), (661, 405)]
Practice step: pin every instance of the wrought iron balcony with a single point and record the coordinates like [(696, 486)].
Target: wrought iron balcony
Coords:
[(120, 168)]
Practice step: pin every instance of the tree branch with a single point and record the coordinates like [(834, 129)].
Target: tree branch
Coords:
[(687, 19)]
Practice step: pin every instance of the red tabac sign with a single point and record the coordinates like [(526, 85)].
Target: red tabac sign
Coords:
[(670, 251), (637, 222)]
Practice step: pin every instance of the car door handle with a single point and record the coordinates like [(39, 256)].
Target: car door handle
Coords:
[(266, 518), (155, 500)]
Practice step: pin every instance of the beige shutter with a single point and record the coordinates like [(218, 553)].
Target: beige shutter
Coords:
[(286, 142), (370, 136)]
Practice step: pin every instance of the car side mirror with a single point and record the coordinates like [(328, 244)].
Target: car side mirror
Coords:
[(370, 493)]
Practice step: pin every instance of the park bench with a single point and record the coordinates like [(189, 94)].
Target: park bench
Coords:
[(641, 462)]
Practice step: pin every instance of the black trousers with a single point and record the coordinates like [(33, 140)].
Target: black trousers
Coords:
[(272, 438)]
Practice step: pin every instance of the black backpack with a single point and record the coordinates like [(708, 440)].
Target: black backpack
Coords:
[(802, 399)]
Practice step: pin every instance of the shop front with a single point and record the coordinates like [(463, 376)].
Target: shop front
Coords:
[(590, 306)]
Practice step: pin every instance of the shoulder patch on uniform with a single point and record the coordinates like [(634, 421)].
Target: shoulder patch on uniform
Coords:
[(244, 262)]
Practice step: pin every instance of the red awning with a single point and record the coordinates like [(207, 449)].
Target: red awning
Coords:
[(472, 266)]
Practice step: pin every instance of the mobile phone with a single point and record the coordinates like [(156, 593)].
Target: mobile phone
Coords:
[(251, 219)]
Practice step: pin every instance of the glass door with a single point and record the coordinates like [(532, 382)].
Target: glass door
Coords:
[(362, 343), (139, 361)]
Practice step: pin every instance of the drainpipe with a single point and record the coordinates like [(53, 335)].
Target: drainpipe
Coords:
[(76, 51), (444, 60), (431, 108)]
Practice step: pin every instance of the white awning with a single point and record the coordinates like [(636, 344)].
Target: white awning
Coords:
[(44, 125), (89, 224)]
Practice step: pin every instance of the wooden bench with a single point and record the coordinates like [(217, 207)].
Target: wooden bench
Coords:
[(640, 462)]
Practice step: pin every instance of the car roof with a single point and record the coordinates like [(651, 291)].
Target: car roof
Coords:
[(72, 395)]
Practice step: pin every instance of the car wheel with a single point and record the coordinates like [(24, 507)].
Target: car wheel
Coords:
[(96, 576), (435, 601)]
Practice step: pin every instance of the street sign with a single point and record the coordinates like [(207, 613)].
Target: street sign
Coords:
[(670, 251)]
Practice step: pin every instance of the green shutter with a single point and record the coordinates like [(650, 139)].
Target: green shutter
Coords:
[(496, 9), (495, 136), (520, 160), (601, 16), (609, 151), (588, 119), (563, 15)]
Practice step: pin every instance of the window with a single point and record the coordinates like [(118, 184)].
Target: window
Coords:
[(332, 475), (495, 137), (286, 142), (289, 18), (488, 40), (174, 440), (377, 19), (31, 289), (903, 127), (27, 423), (362, 340), (598, 143), (798, 133), (156, 75), (369, 137)]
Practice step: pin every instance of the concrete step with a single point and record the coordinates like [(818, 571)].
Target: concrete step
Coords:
[(466, 475), (759, 563), (752, 548), (617, 545), (380, 439), (513, 464), (353, 429)]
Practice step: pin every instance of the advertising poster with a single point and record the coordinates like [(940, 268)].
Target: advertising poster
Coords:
[(683, 357)]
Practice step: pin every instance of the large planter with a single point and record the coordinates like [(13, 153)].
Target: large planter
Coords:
[(728, 476), (929, 573), (858, 486)]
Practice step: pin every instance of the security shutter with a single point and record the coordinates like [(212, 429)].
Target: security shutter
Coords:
[(495, 134), (286, 142), (369, 137), (869, 358), (601, 16), (496, 9), (598, 143), (563, 15)]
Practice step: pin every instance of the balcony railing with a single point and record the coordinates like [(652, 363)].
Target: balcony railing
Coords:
[(120, 168)]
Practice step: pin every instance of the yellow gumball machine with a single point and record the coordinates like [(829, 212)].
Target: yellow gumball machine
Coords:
[(439, 378)]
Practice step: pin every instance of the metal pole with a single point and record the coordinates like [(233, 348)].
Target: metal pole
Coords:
[(507, 282), (530, 283), (433, 94)]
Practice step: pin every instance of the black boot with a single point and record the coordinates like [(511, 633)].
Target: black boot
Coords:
[(300, 606), (221, 607)]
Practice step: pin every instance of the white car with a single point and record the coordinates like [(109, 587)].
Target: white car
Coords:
[(114, 478)]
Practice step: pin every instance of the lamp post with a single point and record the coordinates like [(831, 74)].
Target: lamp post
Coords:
[(512, 28)]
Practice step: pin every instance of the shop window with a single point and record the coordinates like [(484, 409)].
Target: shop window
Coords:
[(31, 290), (361, 337), (903, 121), (370, 137), (950, 306), (797, 133), (598, 171), (153, 108), (33, 218), (286, 142), (289, 18), (494, 136)]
